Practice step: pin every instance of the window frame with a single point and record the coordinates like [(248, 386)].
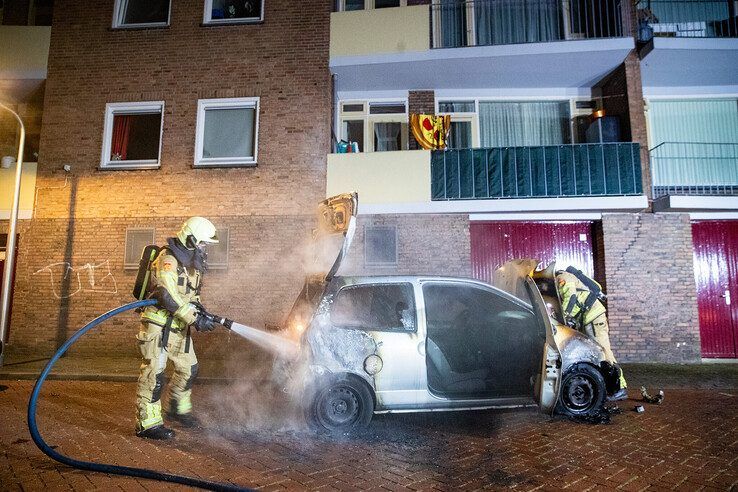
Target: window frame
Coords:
[(413, 307), (368, 5), (207, 16), (119, 14), (368, 263), (370, 120), (134, 265), (225, 103), (141, 107)]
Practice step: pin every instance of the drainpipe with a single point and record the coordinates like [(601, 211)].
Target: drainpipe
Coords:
[(10, 246)]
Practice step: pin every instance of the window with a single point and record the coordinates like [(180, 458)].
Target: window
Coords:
[(463, 133), (233, 11), (227, 132), (136, 241), (141, 13), (218, 253), (132, 135), (370, 4), (375, 126), (380, 245), (379, 307)]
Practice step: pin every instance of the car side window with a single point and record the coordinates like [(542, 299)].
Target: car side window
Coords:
[(380, 307)]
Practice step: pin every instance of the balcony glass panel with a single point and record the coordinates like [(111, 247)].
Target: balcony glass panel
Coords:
[(686, 18), (611, 169), (695, 168), (498, 22)]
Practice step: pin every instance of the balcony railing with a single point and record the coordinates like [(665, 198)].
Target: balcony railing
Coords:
[(537, 172), (497, 22), (687, 19), (692, 168)]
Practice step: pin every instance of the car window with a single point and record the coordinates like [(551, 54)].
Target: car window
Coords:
[(382, 307)]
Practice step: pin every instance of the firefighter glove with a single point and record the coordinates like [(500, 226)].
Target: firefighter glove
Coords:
[(203, 323)]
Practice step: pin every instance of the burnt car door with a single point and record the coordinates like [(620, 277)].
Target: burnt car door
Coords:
[(482, 343), (386, 313)]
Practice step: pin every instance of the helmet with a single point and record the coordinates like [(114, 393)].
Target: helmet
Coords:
[(197, 230)]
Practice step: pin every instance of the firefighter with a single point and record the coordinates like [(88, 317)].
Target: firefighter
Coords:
[(580, 298), (176, 276)]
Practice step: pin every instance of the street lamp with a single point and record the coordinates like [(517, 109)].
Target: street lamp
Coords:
[(10, 245)]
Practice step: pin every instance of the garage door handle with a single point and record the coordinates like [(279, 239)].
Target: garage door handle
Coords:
[(726, 296)]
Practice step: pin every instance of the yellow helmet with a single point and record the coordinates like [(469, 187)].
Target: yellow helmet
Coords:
[(200, 229)]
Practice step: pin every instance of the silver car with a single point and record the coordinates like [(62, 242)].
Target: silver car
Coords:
[(419, 343)]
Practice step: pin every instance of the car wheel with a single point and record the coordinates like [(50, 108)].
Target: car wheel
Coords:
[(340, 405), (582, 391)]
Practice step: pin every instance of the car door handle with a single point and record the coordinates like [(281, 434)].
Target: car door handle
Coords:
[(421, 348)]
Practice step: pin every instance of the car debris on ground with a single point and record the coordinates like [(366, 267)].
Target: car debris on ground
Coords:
[(652, 399)]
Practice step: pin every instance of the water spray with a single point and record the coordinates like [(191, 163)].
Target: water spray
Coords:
[(284, 348)]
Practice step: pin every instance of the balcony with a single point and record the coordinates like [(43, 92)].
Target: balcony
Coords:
[(27, 190), (577, 178), (490, 44), (500, 22), (612, 169), (695, 176), (686, 19)]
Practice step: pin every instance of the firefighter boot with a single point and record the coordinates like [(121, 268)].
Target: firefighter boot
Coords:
[(158, 432)]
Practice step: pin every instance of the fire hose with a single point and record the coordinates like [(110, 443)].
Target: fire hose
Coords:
[(102, 467)]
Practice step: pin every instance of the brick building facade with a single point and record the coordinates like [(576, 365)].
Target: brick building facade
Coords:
[(70, 263)]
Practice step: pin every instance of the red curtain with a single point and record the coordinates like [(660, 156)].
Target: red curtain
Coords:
[(121, 133)]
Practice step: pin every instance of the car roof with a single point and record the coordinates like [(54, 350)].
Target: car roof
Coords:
[(367, 279)]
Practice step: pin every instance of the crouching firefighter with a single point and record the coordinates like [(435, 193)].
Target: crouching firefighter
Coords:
[(581, 298), (173, 276)]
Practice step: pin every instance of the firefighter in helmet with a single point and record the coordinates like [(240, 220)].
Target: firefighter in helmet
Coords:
[(580, 299), (176, 276)]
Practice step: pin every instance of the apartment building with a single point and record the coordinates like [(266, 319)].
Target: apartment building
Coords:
[(560, 111), (160, 110), (595, 132)]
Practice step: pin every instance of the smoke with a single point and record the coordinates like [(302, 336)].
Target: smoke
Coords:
[(267, 369)]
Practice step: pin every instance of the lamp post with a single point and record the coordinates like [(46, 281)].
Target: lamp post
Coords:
[(10, 245)]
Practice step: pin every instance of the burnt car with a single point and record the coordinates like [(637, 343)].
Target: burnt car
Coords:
[(387, 344)]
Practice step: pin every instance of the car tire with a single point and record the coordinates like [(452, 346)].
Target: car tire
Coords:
[(582, 391), (341, 404)]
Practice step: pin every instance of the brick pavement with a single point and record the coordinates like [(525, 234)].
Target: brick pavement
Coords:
[(688, 443)]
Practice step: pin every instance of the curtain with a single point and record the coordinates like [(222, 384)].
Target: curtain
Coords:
[(688, 12), (516, 21), (460, 135), (694, 142), (121, 135), (453, 23), (512, 124), (386, 136)]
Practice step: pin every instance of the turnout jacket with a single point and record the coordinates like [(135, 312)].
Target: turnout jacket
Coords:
[(576, 300), (176, 287)]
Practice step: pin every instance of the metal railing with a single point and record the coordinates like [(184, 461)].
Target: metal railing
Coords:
[(686, 19), (694, 168), (535, 172), (498, 22)]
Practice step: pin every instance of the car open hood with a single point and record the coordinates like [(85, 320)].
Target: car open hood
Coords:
[(337, 215)]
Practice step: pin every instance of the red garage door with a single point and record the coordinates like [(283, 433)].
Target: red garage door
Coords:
[(716, 274), (494, 243)]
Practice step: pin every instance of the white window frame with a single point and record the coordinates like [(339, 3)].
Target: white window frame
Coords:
[(119, 15), (368, 5), (371, 119), (111, 109), (207, 16), (225, 103)]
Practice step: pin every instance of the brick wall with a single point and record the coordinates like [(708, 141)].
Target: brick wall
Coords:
[(426, 245), (81, 216), (652, 300), (420, 102)]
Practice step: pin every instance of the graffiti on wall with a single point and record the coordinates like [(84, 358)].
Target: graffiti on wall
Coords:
[(86, 278)]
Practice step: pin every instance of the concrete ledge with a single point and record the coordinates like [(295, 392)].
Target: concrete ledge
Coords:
[(687, 203)]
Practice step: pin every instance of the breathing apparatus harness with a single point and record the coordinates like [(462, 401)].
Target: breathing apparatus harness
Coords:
[(594, 294)]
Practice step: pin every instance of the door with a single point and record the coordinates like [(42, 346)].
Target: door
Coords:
[(495, 243), (715, 245), (480, 343), (3, 259)]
